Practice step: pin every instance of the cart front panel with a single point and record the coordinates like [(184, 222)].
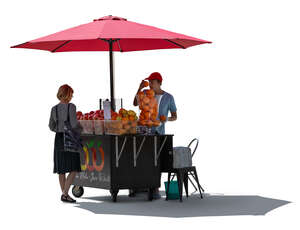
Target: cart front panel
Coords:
[(95, 162)]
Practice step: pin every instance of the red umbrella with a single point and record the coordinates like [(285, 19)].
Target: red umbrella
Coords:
[(111, 33)]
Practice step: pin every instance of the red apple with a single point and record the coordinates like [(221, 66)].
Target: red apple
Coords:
[(86, 116)]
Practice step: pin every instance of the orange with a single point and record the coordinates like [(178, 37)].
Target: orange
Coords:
[(154, 113), (147, 116), (143, 112), (146, 100), (147, 108), (151, 111), (141, 95), (153, 117), (131, 118), (114, 116), (150, 93), (152, 102), (146, 91), (145, 84), (143, 122)]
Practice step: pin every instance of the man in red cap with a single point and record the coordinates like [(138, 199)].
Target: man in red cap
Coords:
[(166, 104), (165, 101)]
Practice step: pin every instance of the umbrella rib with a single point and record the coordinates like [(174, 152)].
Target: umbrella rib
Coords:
[(117, 40), (119, 45), (181, 46), (65, 43)]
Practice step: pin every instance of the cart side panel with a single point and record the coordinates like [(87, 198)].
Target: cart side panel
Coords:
[(95, 162), (166, 156), (145, 174)]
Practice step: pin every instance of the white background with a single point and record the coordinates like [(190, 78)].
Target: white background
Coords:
[(239, 95)]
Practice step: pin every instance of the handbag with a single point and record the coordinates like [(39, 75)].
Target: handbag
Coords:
[(72, 140)]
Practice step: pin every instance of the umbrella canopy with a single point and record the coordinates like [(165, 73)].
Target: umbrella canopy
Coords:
[(127, 36), (111, 33)]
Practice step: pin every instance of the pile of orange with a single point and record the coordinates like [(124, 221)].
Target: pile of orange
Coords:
[(148, 108), (124, 115)]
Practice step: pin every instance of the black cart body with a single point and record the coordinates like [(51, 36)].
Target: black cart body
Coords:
[(116, 162)]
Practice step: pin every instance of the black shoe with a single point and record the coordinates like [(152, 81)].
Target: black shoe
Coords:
[(67, 199)]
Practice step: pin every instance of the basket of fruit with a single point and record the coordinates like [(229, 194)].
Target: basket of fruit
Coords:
[(124, 122), (87, 126), (92, 122)]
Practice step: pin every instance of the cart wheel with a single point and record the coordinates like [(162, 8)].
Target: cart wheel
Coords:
[(77, 191), (114, 194), (150, 194)]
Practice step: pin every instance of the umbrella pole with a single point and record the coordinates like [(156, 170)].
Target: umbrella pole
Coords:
[(111, 67)]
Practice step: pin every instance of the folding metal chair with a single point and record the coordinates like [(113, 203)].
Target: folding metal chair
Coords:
[(183, 175)]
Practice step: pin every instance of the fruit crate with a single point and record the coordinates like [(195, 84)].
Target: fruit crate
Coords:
[(99, 127), (88, 126), (119, 127)]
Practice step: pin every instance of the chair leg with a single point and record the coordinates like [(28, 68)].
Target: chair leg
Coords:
[(173, 177), (186, 182), (199, 183), (196, 177), (179, 180), (168, 186), (193, 183)]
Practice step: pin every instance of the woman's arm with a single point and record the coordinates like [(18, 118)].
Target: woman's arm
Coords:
[(52, 122)]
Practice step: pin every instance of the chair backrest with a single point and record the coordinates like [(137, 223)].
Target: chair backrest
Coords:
[(197, 142)]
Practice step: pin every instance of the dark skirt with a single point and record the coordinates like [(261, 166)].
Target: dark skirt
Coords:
[(64, 161)]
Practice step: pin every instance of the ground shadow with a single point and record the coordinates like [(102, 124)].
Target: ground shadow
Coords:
[(193, 206)]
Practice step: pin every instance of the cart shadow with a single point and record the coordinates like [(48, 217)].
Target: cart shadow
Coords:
[(193, 206)]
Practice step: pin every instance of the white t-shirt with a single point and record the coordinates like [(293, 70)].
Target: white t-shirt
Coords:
[(158, 99)]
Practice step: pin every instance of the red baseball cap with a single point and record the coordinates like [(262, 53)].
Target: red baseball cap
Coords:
[(154, 76)]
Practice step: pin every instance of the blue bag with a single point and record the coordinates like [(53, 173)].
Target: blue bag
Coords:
[(173, 190)]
